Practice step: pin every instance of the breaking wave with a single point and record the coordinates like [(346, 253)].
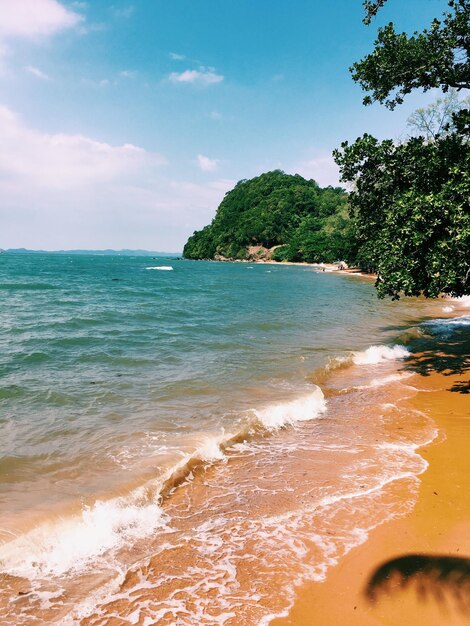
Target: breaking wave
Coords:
[(379, 354), (444, 327), (72, 544)]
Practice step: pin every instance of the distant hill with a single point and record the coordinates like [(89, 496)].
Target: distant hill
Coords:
[(279, 216), (107, 252)]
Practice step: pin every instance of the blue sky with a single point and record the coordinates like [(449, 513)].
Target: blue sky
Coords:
[(123, 123)]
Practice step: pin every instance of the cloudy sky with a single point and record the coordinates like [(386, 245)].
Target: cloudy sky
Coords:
[(124, 122)]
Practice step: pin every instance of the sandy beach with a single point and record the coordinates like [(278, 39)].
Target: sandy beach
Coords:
[(439, 525)]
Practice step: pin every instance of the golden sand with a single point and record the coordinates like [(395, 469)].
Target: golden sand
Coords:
[(439, 525)]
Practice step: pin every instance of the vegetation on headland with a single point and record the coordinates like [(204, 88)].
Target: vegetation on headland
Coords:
[(306, 222)]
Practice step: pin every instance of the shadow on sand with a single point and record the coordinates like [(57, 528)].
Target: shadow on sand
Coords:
[(446, 353), (432, 577)]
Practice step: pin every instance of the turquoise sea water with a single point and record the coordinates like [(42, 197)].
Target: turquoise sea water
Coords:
[(118, 375)]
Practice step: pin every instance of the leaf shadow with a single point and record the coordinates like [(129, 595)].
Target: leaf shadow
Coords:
[(445, 351), (432, 576)]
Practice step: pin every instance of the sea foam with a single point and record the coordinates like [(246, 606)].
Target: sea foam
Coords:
[(378, 354), (167, 268), (445, 327), (71, 544), (305, 408), (463, 302)]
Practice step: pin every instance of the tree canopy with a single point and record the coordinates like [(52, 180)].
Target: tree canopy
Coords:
[(436, 57), (411, 200), (411, 203), (277, 209)]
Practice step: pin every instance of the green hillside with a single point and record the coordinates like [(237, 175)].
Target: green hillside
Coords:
[(278, 209)]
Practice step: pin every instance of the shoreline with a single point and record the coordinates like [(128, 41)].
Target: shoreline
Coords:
[(331, 268), (439, 523), (325, 267)]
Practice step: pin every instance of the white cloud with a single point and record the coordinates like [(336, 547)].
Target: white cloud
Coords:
[(123, 12), (35, 18), (206, 164), (322, 169), (103, 82), (92, 27), (177, 57), (62, 161), (4, 52), (215, 115), (36, 72), (71, 191), (203, 76)]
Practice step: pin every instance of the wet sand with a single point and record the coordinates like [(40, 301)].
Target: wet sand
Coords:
[(439, 525)]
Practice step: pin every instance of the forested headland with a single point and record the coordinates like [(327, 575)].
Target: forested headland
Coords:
[(280, 216)]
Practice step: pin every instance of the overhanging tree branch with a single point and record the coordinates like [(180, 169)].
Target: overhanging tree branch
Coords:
[(436, 58)]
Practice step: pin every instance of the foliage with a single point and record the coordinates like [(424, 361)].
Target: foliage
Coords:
[(411, 201), (412, 207), (321, 240), (436, 57), (276, 209)]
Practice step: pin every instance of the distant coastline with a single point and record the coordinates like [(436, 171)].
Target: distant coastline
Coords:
[(107, 251)]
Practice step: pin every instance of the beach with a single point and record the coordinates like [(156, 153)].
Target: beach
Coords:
[(438, 525)]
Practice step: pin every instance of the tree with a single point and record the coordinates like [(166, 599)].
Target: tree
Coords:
[(411, 200), (411, 204), (438, 118), (437, 57)]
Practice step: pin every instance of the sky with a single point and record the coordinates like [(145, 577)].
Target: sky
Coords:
[(124, 122)]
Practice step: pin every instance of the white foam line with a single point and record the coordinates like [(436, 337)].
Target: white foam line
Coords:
[(328, 500), (72, 544), (380, 382), (446, 326), (302, 409), (378, 354)]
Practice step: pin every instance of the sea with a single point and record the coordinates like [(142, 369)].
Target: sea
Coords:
[(186, 442)]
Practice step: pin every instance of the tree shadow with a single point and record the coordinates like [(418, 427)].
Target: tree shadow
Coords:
[(448, 355), (445, 350), (432, 577), (461, 386)]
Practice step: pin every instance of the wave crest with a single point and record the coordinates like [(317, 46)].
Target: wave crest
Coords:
[(302, 409), (378, 354)]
